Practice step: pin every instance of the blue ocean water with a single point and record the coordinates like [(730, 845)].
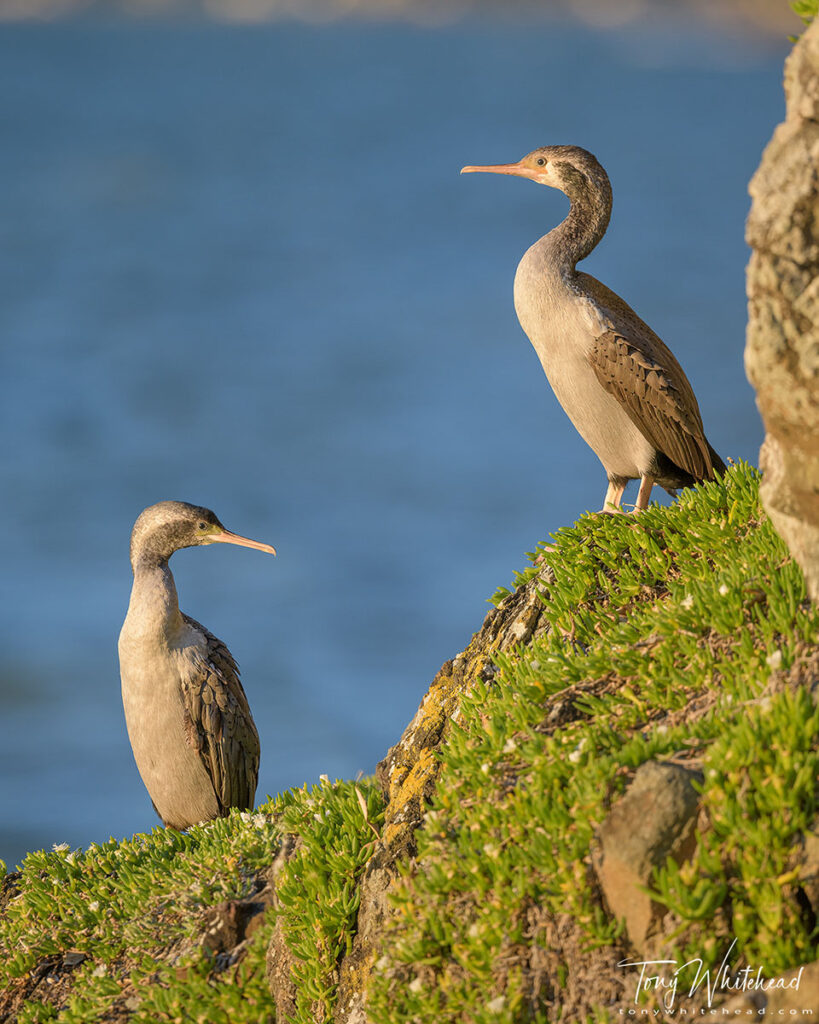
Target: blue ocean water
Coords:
[(238, 267)]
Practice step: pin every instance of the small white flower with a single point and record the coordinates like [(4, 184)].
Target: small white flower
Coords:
[(774, 660), (324, 780), (510, 746), (416, 984), (99, 971), (259, 820), (486, 767), (382, 964), (94, 906), (60, 847), (577, 753), (535, 664), (497, 1004), (687, 601), (723, 589)]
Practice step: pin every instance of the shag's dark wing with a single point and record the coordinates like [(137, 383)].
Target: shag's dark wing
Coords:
[(640, 371), (219, 726)]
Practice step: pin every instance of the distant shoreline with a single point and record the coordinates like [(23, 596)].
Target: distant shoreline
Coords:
[(755, 16)]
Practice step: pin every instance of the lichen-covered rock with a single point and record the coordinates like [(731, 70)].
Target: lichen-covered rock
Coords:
[(782, 349), (409, 773), (410, 770), (653, 820)]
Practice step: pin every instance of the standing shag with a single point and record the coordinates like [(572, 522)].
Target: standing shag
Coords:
[(191, 731), (618, 383)]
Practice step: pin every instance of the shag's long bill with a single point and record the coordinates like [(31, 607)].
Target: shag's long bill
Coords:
[(226, 537), (520, 169)]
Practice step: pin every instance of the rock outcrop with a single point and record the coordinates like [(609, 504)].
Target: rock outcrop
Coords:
[(653, 820), (409, 773), (782, 350)]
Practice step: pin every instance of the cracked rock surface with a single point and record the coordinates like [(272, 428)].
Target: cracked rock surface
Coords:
[(782, 346)]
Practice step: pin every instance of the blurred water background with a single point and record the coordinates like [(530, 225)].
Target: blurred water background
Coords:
[(238, 267)]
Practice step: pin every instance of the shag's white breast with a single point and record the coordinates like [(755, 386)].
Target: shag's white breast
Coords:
[(154, 663), (563, 324)]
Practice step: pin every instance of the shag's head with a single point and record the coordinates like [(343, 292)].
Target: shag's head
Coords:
[(170, 525), (571, 169)]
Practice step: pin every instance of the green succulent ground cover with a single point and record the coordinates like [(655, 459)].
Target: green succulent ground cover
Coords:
[(318, 892), (135, 908), (668, 632), (805, 9), (669, 625), (124, 904)]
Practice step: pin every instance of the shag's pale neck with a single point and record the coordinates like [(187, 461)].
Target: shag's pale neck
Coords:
[(154, 606), (574, 238)]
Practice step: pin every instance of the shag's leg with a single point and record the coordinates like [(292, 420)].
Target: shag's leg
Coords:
[(646, 483), (614, 495)]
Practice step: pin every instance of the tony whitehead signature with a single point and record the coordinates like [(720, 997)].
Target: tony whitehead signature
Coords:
[(671, 978)]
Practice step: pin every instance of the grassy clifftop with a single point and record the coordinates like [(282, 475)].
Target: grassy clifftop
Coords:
[(466, 887), (682, 636)]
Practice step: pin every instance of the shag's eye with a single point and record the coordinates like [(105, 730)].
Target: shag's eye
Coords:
[(203, 526), (541, 161)]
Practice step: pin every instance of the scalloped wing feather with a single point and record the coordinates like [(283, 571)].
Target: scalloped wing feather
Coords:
[(653, 403), (635, 366), (219, 725)]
